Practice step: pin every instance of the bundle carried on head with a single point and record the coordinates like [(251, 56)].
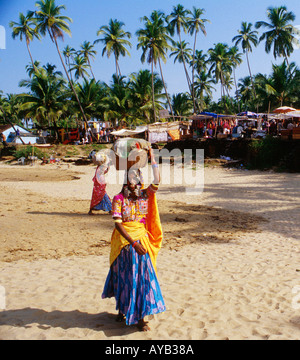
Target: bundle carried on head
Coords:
[(100, 158), (131, 153)]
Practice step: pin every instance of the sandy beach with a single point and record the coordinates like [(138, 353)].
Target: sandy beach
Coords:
[(229, 267)]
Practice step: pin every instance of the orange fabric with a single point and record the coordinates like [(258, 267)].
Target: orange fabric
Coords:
[(175, 134)]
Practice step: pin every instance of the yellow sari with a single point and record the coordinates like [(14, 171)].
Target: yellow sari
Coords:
[(150, 235)]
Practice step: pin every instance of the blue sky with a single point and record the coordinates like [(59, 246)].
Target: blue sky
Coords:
[(89, 15)]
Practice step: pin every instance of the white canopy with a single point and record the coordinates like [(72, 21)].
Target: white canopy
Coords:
[(126, 133)]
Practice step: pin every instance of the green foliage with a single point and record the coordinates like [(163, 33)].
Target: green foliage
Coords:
[(29, 151), (266, 153)]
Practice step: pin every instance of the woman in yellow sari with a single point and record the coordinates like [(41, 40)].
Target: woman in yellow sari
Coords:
[(135, 243)]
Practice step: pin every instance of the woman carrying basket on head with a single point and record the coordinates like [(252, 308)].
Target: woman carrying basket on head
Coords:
[(100, 199), (135, 243)]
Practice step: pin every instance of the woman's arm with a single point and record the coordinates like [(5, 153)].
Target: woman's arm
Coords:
[(155, 168), (138, 247)]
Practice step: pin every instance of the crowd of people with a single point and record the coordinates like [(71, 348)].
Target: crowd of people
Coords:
[(233, 128), (101, 134)]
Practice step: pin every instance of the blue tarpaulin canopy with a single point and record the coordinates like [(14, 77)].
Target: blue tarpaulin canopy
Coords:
[(249, 114), (215, 115)]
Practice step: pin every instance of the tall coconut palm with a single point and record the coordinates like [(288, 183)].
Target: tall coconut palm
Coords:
[(87, 50), (178, 21), (183, 54), (247, 38), (26, 28), (69, 54), (115, 41), (91, 94), (279, 34), (220, 64), (236, 60), (182, 104), (32, 68), (196, 24), (281, 85), (49, 20), (79, 66), (140, 86), (201, 61), (245, 90), (203, 86), (155, 40), (47, 99)]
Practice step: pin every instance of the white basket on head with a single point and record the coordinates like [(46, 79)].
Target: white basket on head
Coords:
[(131, 153)]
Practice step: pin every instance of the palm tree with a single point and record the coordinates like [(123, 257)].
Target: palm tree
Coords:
[(91, 94), (51, 72), (203, 86), (281, 86), (49, 20), (69, 53), (182, 54), (196, 24), (117, 103), (280, 32), (220, 64), (245, 90), (154, 40), (47, 99), (182, 104), (247, 38), (115, 41), (178, 20), (25, 29), (6, 117), (140, 85), (80, 65), (32, 68), (236, 59), (201, 60), (88, 52)]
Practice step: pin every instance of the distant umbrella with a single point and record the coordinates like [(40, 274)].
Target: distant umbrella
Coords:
[(284, 110)]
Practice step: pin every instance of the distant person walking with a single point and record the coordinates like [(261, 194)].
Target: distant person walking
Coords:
[(100, 199)]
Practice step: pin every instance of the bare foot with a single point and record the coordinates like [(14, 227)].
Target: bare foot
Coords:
[(120, 317), (143, 326), (90, 212)]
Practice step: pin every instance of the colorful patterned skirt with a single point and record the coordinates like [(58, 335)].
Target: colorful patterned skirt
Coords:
[(133, 282), (100, 199), (105, 204)]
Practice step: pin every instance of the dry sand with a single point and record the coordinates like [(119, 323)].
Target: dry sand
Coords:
[(229, 267)]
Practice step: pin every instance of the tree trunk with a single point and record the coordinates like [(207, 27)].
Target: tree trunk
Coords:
[(91, 68), (72, 87), (117, 72), (193, 73), (161, 73), (254, 92), (27, 44), (153, 98), (186, 72)]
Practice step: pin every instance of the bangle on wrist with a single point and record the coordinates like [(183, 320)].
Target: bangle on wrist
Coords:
[(134, 244)]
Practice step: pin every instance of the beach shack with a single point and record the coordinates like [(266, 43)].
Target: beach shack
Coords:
[(161, 132), (14, 133)]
